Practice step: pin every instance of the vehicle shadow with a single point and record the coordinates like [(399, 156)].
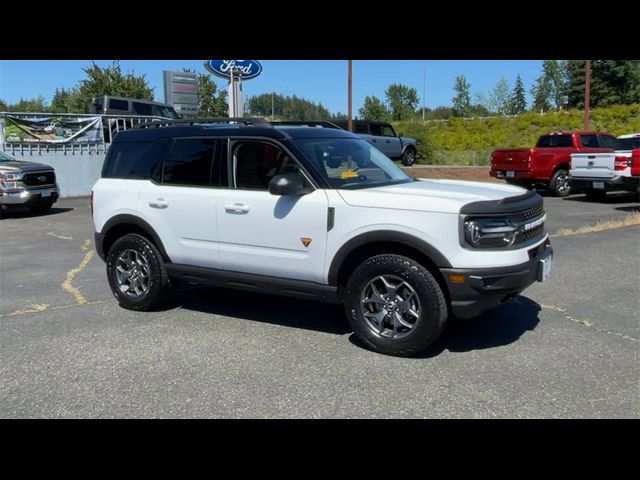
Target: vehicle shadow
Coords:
[(629, 209), (501, 326), (276, 310), (23, 212), (610, 199)]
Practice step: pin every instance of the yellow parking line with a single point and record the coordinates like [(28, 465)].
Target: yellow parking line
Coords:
[(61, 237), (46, 308), (66, 285)]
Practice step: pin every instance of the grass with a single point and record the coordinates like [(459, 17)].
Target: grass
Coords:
[(633, 219)]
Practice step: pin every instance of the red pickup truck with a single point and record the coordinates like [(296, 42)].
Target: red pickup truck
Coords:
[(548, 164)]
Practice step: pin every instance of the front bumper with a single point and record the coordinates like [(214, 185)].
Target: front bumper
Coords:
[(485, 288), (28, 197), (613, 184)]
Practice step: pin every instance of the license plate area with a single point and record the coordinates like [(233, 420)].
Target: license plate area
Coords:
[(544, 267), (45, 193), (511, 174), (598, 185)]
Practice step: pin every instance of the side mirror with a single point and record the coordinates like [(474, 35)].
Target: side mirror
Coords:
[(288, 184)]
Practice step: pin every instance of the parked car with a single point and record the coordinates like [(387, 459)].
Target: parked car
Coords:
[(635, 165), (314, 213), (598, 173), (548, 164), (383, 136), (26, 184)]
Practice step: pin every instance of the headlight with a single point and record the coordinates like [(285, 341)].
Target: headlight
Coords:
[(490, 232), (9, 180)]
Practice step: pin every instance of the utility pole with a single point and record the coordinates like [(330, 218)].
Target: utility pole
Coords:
[(349, 118), (587, 94), (424, 91)]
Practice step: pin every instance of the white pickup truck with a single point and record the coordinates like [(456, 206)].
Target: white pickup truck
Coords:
[(598, 173)]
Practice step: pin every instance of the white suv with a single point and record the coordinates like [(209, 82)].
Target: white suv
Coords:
[(315, 213)]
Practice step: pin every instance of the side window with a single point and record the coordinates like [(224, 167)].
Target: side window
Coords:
[(589, 141), (256, 163), (361, 128), (387, 131), (190, 163), (376, 130), (607, 141), (119, 104), (141, 108)]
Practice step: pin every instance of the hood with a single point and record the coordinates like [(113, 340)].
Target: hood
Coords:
[(444, 196), (21, 166)]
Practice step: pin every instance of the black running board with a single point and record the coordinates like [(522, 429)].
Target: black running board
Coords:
[(254, 283)]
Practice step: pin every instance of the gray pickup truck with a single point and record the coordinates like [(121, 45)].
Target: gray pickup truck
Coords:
[(382, 136), (26, 184)]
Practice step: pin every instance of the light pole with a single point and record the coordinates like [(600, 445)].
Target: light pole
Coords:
[(350, 118)]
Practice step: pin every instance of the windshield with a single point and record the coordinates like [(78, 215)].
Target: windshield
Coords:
[(351, 163), (5, 157), (166, 112)]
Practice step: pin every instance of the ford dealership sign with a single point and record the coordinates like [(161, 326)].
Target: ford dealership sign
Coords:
[(222, 68)]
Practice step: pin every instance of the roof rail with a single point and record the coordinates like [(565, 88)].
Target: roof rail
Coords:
[(322, 124), (248, 121)]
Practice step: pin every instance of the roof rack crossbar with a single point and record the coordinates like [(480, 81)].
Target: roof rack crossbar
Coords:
[(248, 121), (309, 123)]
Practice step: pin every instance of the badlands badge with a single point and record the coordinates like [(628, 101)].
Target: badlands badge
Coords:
[(306, 241)]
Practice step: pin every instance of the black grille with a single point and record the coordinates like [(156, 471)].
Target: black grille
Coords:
[(533, 213), (533, 234), (35, 179)]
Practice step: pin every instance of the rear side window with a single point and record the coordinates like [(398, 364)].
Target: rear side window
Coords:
[(133, 161), (628, 143), (554, 141), (607, 141), (376, 130), (589, 141), (141, 108), (190, 163), (362, 128), (119, 104)]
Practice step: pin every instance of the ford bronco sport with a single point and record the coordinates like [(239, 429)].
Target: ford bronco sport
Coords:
[(315, 213)]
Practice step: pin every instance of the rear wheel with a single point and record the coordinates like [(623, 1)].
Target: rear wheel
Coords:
[(596, 195), (560, 184), (136, 273), (394, 305)]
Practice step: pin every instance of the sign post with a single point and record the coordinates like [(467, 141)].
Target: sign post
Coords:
[(235, 71)]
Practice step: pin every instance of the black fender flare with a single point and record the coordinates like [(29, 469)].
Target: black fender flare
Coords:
[(384, 236), (127, 219)]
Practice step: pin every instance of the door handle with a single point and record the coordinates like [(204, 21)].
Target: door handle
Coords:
[(388, 141), (238, 208), (374, 140), (159, 203)]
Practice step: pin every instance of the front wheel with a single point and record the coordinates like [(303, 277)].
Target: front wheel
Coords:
[(136, 273), (560, 184), (394, 305), (409, 157)]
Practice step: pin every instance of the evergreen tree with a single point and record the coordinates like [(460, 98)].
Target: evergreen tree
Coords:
[(518, 102)]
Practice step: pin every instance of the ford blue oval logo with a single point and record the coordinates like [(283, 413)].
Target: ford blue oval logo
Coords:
[(222, 68)]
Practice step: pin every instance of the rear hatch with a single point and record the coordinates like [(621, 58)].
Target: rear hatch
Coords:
[(597, 165), (511, 159)]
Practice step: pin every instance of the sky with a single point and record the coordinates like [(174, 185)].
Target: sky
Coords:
[(323, 81)]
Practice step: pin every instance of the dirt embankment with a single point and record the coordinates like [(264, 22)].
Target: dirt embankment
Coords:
[(478, 174)]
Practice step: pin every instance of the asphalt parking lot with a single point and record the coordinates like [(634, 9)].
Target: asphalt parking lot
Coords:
[(568, 348)]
